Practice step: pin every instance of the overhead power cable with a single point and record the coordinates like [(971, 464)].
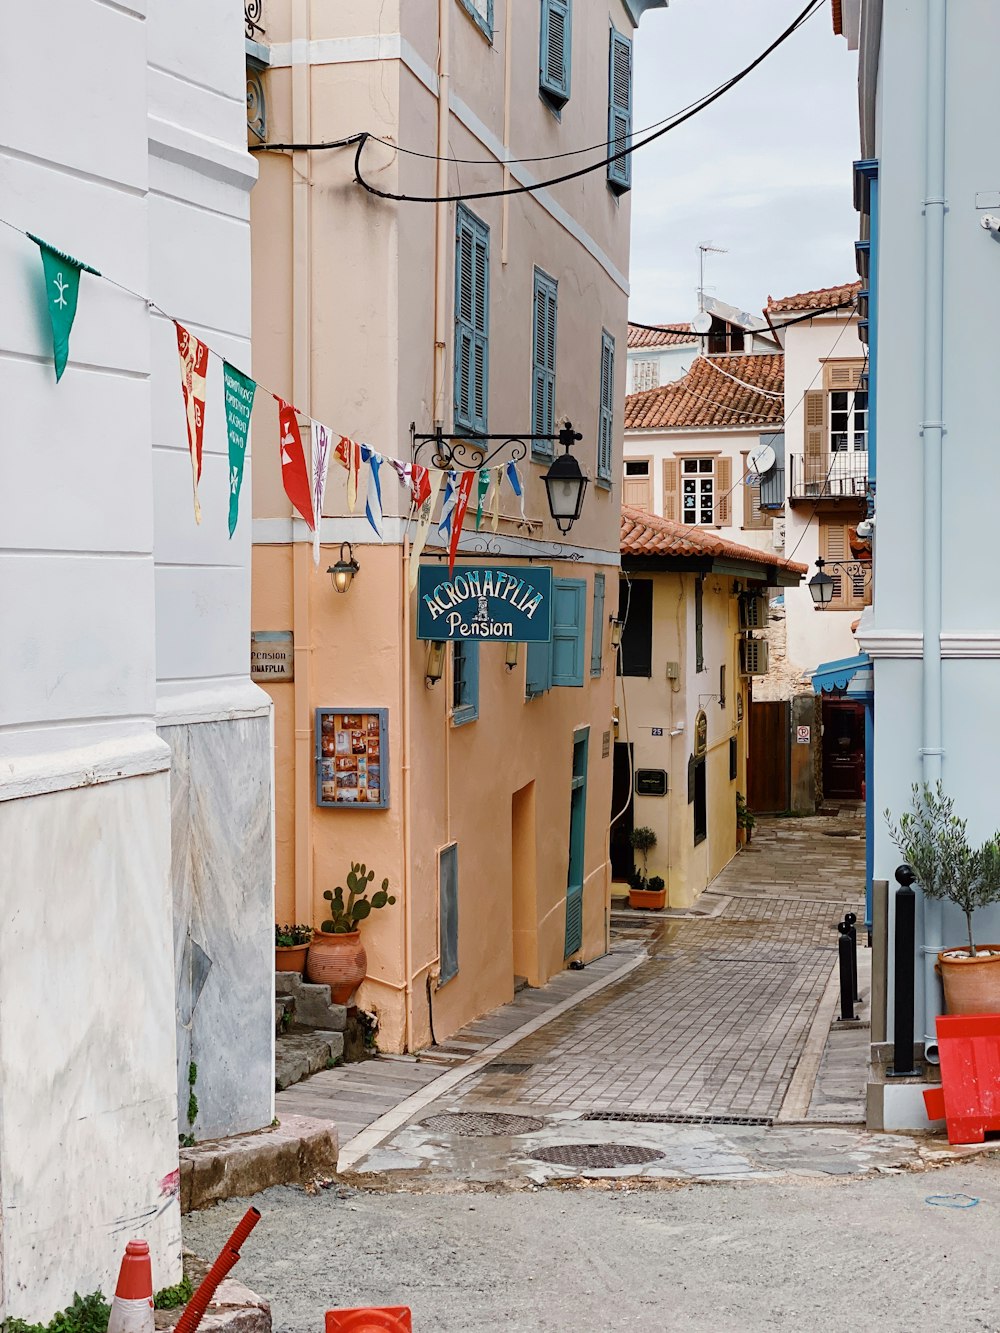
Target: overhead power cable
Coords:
[(785, 324)]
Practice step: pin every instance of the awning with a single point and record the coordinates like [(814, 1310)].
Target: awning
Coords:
[(851, 676)]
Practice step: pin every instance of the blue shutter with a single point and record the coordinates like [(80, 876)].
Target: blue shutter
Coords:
[(543, 374), (448, 913), (597, 629), (555, 61), (620, 111), (539, 669), (569, 618), (465, 670), (472, 282), (606, 415)]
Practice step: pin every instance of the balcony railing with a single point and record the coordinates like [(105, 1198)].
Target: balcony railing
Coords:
[(838, 476), (252, 13)]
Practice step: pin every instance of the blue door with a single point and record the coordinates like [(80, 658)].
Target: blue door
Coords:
[(577, 829)]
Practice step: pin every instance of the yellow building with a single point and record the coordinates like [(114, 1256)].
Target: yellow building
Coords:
[(477, 313), (687, 658)]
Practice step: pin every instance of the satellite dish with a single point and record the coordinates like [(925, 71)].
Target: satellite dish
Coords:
[(702, 322), (762, 459)]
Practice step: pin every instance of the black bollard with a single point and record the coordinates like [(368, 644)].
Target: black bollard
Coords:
[(904, 945), (847, 1014), (851, 922)]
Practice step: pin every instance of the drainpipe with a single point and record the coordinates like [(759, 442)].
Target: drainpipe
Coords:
[(932, 430), (407, 787), (441, 215)]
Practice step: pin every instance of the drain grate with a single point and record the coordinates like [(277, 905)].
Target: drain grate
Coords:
[(482, 1124), (507, 1067), (596, 1156), (680, 1118), (758, 961)]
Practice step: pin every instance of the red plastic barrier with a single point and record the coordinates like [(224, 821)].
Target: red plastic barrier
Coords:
[(395, 1318), (969, 1095)]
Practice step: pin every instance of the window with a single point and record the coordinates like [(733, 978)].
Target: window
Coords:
[(852, 587), (620, 112), (638, 487), (448, 913), (636, 609), (481, 13), (543, 374), (697, 797), (464, 682), (597, 627), (706, 490), (733, 759), (555, 57), (699, 624), (848, 420), (472, 275), (606, 416), (645, 375), (698, 489)]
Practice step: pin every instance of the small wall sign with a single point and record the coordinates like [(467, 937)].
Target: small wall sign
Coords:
[(272, 655), (650, 782), (803, 735), (504, 605), (657, 731), (352, 758), (700, 733)]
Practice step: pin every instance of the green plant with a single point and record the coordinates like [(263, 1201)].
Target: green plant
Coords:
[(934, 840), (170, 1297), (192, 1107), (643, 840), (87, 1314), (744, 816), (345, 917), (656, 884), (287, 937), (369, 1029)]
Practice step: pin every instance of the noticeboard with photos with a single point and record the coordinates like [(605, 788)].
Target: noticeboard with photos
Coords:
[(352, 759)]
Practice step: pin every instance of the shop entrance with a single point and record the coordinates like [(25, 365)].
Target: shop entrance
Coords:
[(843, 749)]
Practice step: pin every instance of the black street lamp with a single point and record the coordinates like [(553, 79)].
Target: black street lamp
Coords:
[(565, 483), (342, 573), (821, 585)]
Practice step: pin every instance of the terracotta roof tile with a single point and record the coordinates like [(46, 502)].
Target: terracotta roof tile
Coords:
[(647, 534), (820, 299), (709, 395), (663, 335), (838, 18)]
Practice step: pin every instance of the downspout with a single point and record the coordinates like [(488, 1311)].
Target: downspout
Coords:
[(441, 214), (301, 553), (932, 430), (505, 202), (407, 840)]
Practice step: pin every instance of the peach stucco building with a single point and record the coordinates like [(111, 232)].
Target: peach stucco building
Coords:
[(495, 780)]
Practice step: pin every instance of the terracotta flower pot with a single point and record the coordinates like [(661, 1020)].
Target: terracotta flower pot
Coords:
[(971, 985), (290, 957), (648, 898), (337, 961)]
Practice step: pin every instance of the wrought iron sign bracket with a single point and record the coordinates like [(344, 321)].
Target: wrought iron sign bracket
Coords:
[(468, 450)]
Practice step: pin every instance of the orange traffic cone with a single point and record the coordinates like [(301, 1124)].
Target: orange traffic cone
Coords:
[(384, 1319), (132, 1308)]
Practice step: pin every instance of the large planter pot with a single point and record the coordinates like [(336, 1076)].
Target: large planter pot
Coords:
[(971, 985), (337, 961), (290, 957), (653, 899)]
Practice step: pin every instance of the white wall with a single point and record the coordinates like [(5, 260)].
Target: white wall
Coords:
[(673, 362)]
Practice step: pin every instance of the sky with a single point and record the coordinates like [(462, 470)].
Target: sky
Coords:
[(765, 172)]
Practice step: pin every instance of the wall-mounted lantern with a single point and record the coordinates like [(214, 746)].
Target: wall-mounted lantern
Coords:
[(821, 585), (343, 572), (565, 483), (434, 669)]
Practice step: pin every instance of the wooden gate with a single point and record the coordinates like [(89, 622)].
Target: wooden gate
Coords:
[(768, 788)]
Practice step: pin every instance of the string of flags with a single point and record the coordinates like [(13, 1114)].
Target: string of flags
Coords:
[(304, 483)]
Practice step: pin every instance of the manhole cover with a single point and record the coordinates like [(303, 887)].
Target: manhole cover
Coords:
[(596, 1156), (481, 1124), (507, 1067)]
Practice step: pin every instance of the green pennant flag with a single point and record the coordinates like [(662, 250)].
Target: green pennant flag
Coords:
[(240, 390), (481, 493), (62, 287)]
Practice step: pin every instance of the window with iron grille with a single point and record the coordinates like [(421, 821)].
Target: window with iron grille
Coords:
[(543, 374), (472, 280), (645, 375), (464, 682), (555, 58), (620, 112)]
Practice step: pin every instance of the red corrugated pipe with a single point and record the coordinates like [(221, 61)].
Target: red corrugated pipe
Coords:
[(227, 1260)]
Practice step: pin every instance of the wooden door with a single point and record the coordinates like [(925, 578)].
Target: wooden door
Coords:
[(843, 749), (768, 787), (577, 832)]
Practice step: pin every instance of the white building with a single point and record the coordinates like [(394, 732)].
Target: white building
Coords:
[(658, 354), (135, 783)]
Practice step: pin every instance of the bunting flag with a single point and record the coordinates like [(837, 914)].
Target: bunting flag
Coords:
[(420, 485), (482, 489), (349, 455), (294, 474), (373, 496), (495, 497), (194, 367), (461, 505), (434, 480), (62, 288), (448, 507), (320, 436), (514, 477), (240, 390)]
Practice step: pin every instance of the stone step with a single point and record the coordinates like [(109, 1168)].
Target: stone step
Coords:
[(313, 1007), (284, 1013), (304, 1051)]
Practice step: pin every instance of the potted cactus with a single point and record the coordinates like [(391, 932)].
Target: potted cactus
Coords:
[(643, 891), (291, 945), (337, 958)]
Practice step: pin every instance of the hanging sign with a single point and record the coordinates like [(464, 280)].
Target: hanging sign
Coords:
[(700, 733), (505, 605)]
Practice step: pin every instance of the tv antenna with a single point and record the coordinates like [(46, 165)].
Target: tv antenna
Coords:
[(705, 248)]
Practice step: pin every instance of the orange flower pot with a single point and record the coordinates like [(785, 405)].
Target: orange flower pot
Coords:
[(971, 985), (290, 957), (651, 899), (337, 961)]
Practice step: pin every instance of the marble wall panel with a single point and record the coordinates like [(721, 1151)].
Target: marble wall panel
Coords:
[(223, 921)]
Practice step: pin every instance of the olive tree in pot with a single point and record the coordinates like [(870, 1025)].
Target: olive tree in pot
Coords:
[(643, 891), (337, 958), (934, 840)]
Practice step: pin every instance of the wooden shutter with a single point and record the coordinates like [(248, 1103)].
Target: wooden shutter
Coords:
[(671, 469), (556, 47), (620, 111), (638, 491), (597, 628), (815, 412), (843, 375), (752, 517), (833, 546), (448, 911), (480, 383), (539, 675), (464, 276), (606, 415), (569, 618), (543, 376), (723, 489)]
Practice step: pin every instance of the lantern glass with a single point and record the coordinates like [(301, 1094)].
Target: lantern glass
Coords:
[(821, 589), (342, 573), (566, 486)]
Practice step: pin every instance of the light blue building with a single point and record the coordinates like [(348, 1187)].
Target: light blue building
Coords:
[(927, 189)]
